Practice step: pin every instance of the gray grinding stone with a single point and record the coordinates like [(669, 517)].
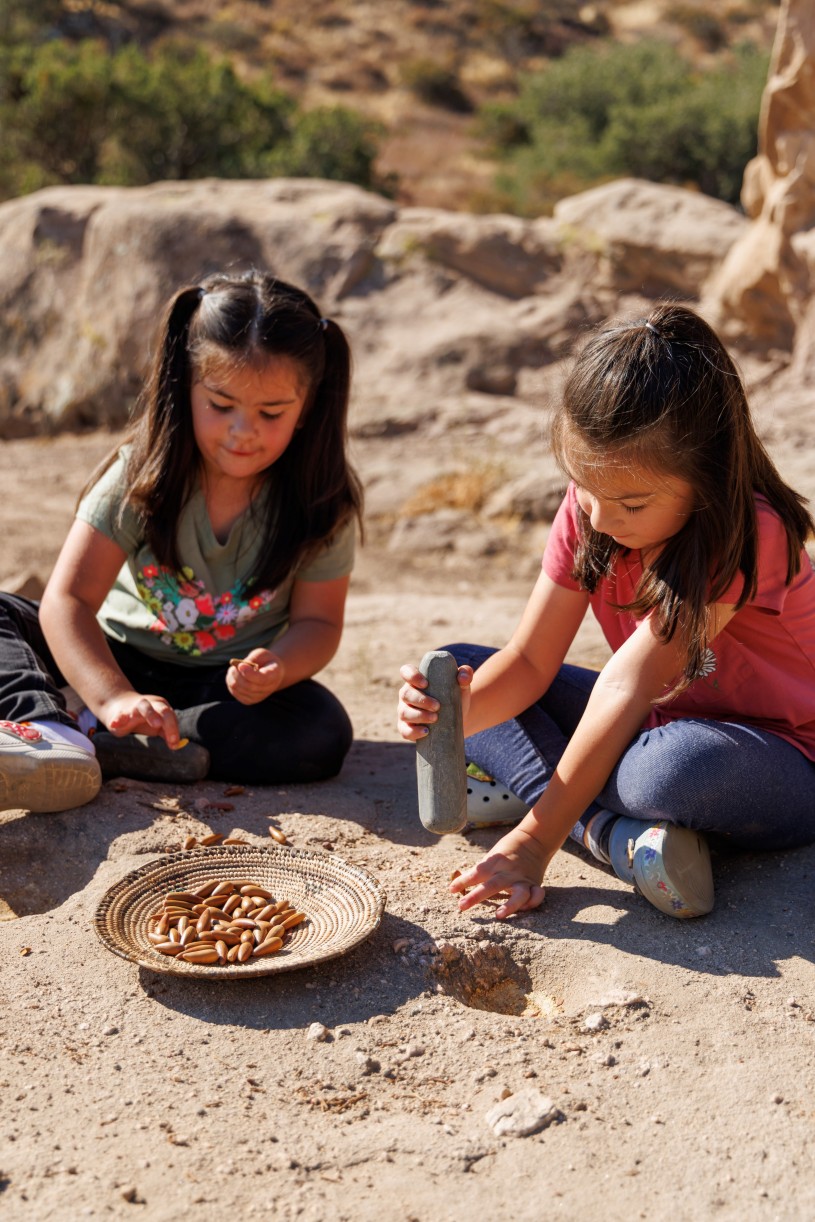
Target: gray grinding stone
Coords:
[(440, 765)]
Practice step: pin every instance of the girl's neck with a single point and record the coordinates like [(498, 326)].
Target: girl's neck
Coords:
[(227, 500)]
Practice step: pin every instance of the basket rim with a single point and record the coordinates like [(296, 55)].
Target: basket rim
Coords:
[(126, 894)]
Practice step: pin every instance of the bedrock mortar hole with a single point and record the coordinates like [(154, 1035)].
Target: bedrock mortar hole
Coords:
[(488, 978)]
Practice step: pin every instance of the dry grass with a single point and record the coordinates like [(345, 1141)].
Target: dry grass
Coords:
[(455, 490)]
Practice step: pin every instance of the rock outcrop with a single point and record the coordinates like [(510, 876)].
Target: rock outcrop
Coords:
[(762, 290), (447, 313)]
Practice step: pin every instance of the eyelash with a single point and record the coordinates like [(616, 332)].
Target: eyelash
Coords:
[(633, 508), (223, 408)]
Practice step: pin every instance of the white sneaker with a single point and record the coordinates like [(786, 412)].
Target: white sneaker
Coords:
[(491, 804), (43, 776)]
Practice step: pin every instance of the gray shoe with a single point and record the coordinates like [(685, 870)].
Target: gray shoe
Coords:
[(149, 758), (668, 865)]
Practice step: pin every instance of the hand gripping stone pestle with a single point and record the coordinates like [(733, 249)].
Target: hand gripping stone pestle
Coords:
[(440, 765)]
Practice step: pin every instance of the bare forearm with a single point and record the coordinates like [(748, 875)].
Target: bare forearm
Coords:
[(305, 648), (611, 720), (81, 651), (503, 686)]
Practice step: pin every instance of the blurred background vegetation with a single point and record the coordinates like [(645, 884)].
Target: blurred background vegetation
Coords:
[(480, 104)]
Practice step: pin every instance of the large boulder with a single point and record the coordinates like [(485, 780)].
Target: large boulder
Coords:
[(84, 273), (648, 238), (441, 308)]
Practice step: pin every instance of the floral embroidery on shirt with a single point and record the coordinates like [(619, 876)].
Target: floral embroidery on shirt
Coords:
[(708, 667), (188, 618)]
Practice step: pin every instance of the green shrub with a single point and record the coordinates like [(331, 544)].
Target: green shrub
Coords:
[(76, 113), (636, 110), (329, 142)]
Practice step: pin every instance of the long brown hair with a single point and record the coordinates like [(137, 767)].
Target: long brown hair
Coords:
[(242, 321), (664, 394)]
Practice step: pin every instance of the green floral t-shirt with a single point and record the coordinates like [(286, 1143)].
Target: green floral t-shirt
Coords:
[(204, 613)]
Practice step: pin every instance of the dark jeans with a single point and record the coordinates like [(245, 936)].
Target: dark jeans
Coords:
[(297, 735), (735, 781)]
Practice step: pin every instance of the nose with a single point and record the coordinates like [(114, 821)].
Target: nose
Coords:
[(241, 424), (603, 518)]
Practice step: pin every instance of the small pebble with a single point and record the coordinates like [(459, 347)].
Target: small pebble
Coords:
[(522, 1114), (489, 1071), (400, 944), (595, 1022), (367, 1065), (778, 1098), (111, 1031), (317, 1031)]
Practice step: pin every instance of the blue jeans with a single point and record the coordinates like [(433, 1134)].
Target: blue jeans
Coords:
[(297, 735), (735, 781)]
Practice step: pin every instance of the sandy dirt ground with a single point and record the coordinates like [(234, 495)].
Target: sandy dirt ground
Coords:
[(679, 1057)]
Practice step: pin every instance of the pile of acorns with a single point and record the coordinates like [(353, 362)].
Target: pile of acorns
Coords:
[(222, 923)]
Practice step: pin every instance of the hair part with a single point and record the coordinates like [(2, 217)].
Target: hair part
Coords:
[(234, 322), (662, 393)]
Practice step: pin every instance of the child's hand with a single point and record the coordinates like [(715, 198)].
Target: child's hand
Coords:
[(515, 865), (417, 711), (135, 713), (253, 678)]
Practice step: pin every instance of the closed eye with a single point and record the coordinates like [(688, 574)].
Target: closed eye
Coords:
[(633, 508)]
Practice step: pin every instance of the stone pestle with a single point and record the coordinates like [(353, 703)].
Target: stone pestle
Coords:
[(440, 765)]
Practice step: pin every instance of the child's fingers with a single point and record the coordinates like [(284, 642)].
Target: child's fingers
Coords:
[(413, 699), (522, 896), (413, 676)]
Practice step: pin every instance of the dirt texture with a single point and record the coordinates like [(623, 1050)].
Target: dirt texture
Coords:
[(592, 1059)]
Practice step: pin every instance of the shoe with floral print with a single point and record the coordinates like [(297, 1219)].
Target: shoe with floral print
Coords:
[(43, 776), (668, 865)]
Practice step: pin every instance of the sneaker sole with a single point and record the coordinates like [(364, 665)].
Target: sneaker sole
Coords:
[(149, 759), (45, 784)]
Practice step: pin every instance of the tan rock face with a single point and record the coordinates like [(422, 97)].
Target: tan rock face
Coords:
[(764, 284), (446, 313)]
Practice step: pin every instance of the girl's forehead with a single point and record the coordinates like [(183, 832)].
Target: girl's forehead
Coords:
[(223, 367), (619, 480)]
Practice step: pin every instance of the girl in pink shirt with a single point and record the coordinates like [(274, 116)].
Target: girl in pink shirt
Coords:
[(679, 533)]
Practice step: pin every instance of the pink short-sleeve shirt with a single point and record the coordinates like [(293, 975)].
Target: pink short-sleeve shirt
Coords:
[(760, 669)]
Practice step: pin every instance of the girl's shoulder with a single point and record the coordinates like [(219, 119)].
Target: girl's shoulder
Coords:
[(103, 505)]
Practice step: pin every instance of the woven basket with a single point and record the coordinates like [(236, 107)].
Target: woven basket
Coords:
[(343, 903)]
